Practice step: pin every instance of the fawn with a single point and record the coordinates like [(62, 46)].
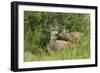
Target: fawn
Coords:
[(73, 37)]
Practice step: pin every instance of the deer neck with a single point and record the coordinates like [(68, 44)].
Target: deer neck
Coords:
[(53, 38), (52, 42)]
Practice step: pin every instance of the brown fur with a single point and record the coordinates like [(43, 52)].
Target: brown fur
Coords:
[(59, 45), (72, 36)]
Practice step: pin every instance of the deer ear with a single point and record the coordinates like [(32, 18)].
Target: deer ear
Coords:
[(57, 27), (51, 28)]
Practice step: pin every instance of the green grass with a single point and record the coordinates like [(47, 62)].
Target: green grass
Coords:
[(78, 51)]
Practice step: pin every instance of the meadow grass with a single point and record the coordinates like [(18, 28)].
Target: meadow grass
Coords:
[(79, 50)]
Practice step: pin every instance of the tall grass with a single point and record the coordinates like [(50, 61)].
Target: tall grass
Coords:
[(79, 50)]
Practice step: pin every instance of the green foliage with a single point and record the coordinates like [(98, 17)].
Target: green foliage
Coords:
[(28, 56), (37, 35), (27, 40)]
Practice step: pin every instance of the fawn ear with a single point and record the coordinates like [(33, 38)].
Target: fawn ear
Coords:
[(66, 31)]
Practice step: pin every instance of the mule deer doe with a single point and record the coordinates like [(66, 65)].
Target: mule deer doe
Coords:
[(57, 45)]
